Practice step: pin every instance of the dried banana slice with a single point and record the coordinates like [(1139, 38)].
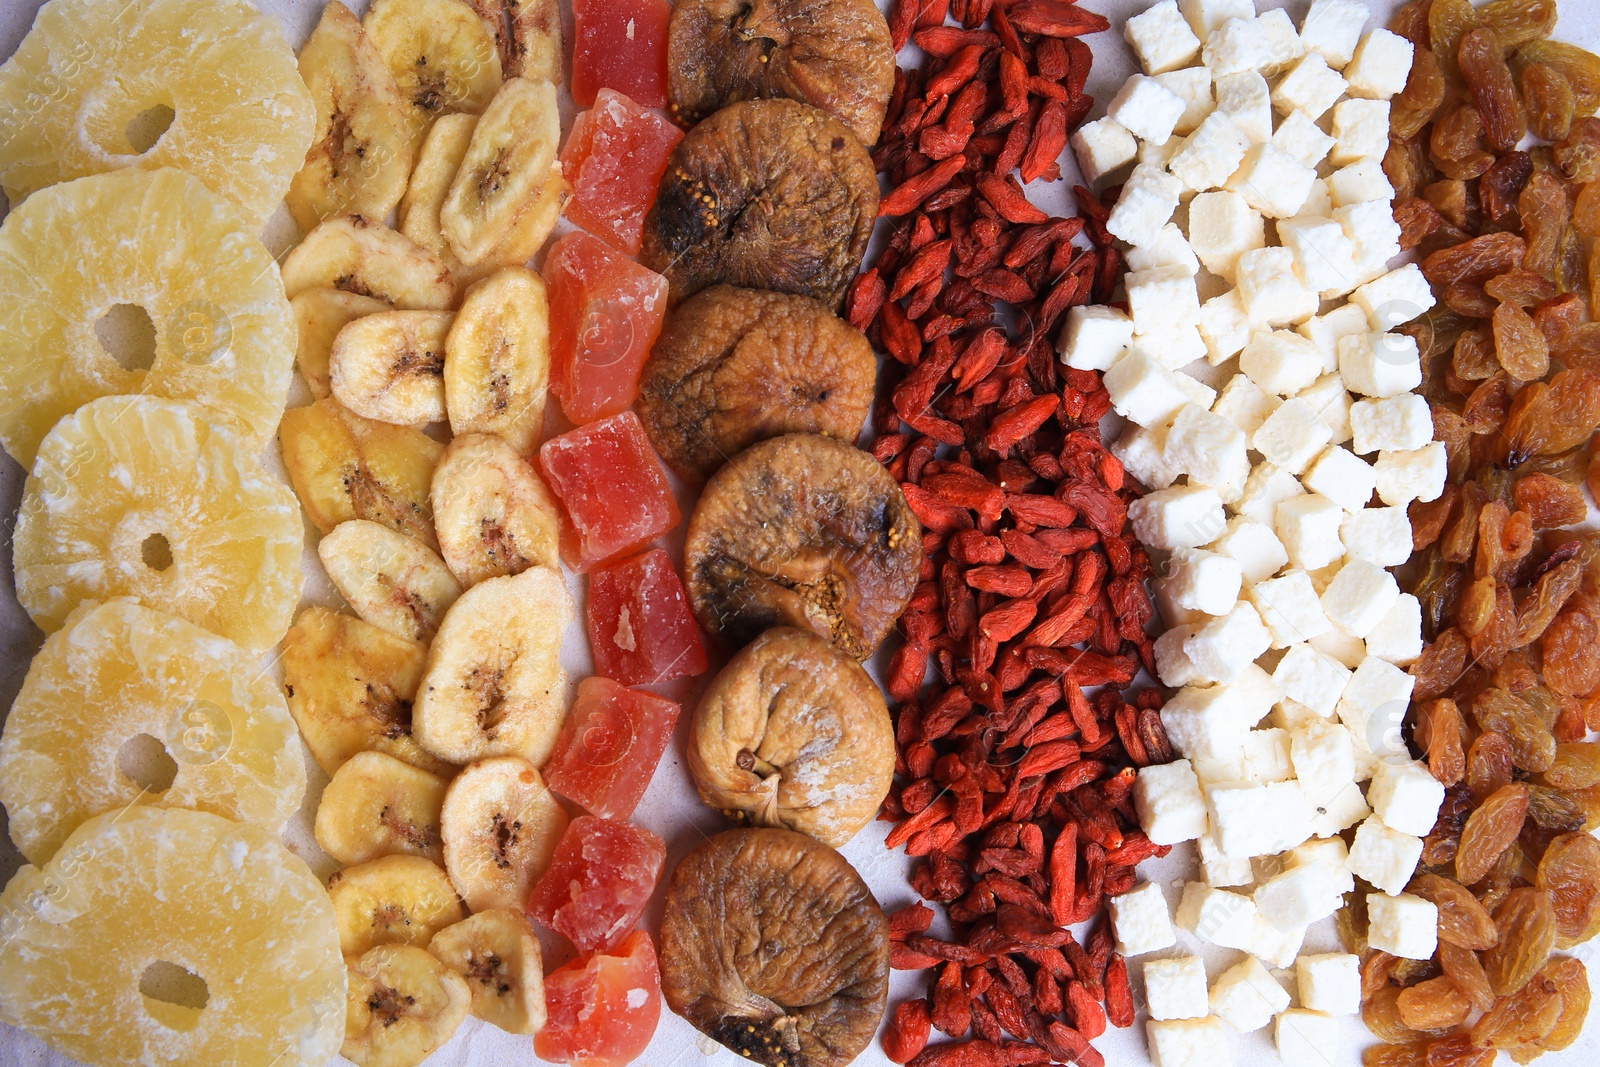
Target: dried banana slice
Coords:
[(121, 675), (390, 366), (401, 1005), (500, 826), (396, 900), (437, 161), (494, 514), (442, 57), (363, 147), (494, 684), (350, 686), (218, 71), (138, 895), (391, 580), (356, 255), (528, 33), (157, 242), (320, 314), (497, 359), (498, 955), (156, 499), (377, 806), (344, 467), (507, 163)]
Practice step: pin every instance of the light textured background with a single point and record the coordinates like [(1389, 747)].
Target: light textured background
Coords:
[(670, 807)]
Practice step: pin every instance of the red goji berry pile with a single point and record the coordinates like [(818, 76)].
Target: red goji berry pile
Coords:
[(1014, 779)]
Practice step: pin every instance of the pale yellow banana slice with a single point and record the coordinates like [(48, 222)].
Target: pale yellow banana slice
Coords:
[(529, 233), (498, 955), (320, 314), (442, 57), (389, 579), (363, 147), (345, 467), (494, 685), (377, 805), (355, 254), (494, 514), (497, 359), (350, 685), (528, 33), (401, 1004), (500, 825), (395, 900), (507, 163), (390, 366)]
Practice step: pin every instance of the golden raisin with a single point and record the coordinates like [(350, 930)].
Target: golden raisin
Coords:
[(1490, 831), (1381, 1013), (1489, 768), (1411, 22), (1545, 212), (1570, 873), (1439, 730), (1571, 660), (1577, 765), (1520, 287), (1448, 22), (1516, 22), (1527, 923), (1462, 920), (1571, 980), (1435, 1004), (1520, 1019), (1481, 57), (1502, 183), (1586, 212), (1549, 100), (1577, 155), (1410, 1054), (1550, 501), (1519, 346), (1465, 970), (1581, 68), (1480, 258)]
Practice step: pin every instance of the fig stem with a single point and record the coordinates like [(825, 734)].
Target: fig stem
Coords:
[(749, 761)]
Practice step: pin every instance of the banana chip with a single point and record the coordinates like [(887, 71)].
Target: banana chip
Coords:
[(377, 806), (528, 33), (362, 150), (391, 366), (396, 900), (507, 163), (442, 57), (356, 255), (389, 579), (498, 955), (401, 1004), (320, 314), (500, 825), (494, 684), (497, 359), (494, 514)]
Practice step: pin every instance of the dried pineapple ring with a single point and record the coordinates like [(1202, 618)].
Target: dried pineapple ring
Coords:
[(134, 896), (134, 496), (87, 75), (160, 241), (120, 671)]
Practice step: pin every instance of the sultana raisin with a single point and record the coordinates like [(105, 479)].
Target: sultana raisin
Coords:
[(1517, 22), (1550, 418), (1409, 1054), (1577, 155), (1552, 809), (1549, 100), (1581, 68), (1417, 220), (1448, 22), (1519, 346), (1488, 766), (1577, 765), (1405, 164), (1411, 22), (1527, 923), (1440, 665), (1465, 970), (1571, 980), (1457, 135), (1520, 287), (1435, 1004), (1511, 715), (1439, 731), (1381, 1013), (1571, 660), (1545, 211), (1462, 920), (1550, 594), (1550, 501), (1490, 830), (1481, 58), (1457, 1050), (1520, 1019), (1570, 872), (1469, 299), (1480, 258), (1586, 211)]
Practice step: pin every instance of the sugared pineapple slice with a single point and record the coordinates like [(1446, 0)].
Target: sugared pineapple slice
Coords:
[(350, 687), (158, 241), (133, 496), (90, 73), (96, 942), (122, 676)]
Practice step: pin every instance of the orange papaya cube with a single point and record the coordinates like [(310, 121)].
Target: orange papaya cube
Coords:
[(613, 160), (598, 882), (609, 746), (602, 1010), (641, 630), (612, 487), (605, 313), (622, 45)]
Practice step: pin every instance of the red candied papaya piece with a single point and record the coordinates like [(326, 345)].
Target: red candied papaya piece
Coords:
[(621, 45), (602, 1010), (612, 487), (641, 629), (598, 882), (609, 746), (613, 160)]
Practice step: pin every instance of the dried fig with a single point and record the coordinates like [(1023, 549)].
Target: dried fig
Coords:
[(832, 54), (736, 366), (767, 194), (793, 733), (773, 945), (806, 531)]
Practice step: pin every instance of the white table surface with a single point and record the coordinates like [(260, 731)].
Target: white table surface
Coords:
[(670, 807)]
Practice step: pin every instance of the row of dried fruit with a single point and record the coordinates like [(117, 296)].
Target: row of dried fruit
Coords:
[(1015, 783), (1504, 690)]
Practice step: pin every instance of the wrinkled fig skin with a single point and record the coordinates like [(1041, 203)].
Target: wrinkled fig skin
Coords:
[(774, 946), (806, 531), (832, 54), (737, 366), (793, 733), (766, 194)]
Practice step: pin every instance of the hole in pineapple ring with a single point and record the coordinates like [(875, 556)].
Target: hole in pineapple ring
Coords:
[(156, 551), (128, 336), (144, 761), (173, 995), (148, 127)]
